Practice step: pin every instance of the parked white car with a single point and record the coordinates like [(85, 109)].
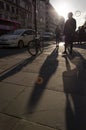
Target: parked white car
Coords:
[(17, 38)]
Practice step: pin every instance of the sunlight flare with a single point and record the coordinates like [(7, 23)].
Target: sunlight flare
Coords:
[(62, 9)]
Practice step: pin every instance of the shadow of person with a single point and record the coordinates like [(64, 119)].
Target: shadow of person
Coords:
[(15, 68), (46, 71), (75, 110)]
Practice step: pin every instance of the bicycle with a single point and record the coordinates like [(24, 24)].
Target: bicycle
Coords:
[(35, 46)]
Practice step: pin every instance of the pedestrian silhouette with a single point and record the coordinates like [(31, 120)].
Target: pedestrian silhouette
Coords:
[(57, 33), (81, 34), (69, 31)]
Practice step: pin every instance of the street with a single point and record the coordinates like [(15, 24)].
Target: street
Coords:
[(46, 92)]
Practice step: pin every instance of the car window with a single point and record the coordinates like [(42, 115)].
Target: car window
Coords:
[(15, 32), (29, 32)]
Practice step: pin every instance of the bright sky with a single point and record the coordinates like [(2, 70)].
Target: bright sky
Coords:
[(64, 6)]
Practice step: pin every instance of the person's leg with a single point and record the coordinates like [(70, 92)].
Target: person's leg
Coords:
[(70, 47), (65, 45), (71, 44), (57, 41)]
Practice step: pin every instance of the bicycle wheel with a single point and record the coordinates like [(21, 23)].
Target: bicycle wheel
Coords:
[(41, 48), (32, 48)]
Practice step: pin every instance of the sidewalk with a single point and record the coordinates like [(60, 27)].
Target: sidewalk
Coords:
[(47, 92)]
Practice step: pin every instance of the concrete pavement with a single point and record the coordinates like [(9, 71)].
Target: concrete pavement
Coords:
[(47, 92)]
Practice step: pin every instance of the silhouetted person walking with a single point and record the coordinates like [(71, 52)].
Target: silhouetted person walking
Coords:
[(69, 31), (81, 34), (57, 32)]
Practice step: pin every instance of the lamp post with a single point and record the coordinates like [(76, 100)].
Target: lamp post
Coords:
[(35, 22)]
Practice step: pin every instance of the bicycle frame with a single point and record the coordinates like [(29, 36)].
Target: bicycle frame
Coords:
[(35, 46)]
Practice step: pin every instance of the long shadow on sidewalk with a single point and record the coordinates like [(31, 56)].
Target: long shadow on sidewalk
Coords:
[(16, 68), (47, 70), (75, 92), (5, 52)]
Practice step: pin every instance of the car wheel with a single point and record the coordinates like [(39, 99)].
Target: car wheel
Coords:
[(20, 44)]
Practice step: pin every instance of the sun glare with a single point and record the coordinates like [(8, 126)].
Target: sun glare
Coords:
[(63, 9)]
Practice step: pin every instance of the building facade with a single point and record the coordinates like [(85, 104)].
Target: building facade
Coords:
[(52, 18), (22, 12), (41, 12)]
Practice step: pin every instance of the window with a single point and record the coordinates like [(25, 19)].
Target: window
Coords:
[(0, 15), (13, 10), (14, 1), (1, 5), (7, 7)]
